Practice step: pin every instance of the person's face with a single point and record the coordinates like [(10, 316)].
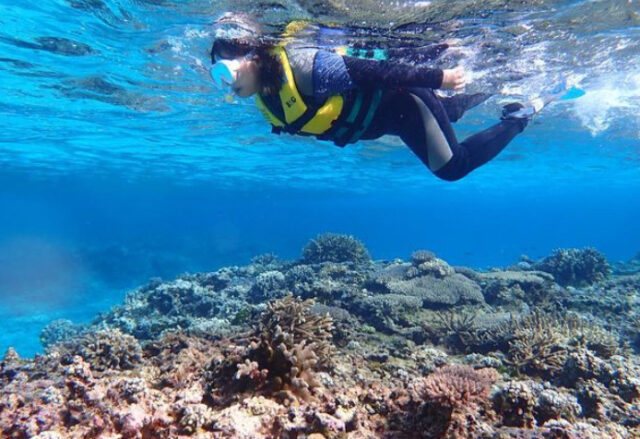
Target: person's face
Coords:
[(247, 82)]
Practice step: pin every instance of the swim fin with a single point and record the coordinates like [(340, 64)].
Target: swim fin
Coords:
[(529, 109)]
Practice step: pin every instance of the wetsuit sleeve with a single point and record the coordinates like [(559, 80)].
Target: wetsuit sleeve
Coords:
[(388, 74), (420, 54), (336, 74)]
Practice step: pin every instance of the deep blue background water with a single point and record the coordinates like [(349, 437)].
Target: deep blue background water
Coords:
[(119, 162), (73, 246)]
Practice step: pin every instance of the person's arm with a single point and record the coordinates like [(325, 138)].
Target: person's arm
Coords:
[(418, 55), (335, 74), (389, 74)]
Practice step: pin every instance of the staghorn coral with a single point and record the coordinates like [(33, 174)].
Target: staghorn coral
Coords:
[(459, 329), (536, 344), (457, 386), (291, 318), (583, 333), (333, 247), (540, 343), (576, 267), (445, 404), (103, 349), (281, 356)]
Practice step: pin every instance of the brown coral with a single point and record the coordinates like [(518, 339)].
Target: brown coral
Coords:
[(291, 320), (536, 344), (280, 357), (104, 349)]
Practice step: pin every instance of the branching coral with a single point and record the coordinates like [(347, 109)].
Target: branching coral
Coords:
[(291, 319), (535, 344), (104, 349), (540, 342), (445, 404), (459, 329), (577, 267), (333, 247), (281, 356), (456, 386)]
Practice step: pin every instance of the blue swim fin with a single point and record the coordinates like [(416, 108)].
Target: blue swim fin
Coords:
[(573, 93), (562, 91)]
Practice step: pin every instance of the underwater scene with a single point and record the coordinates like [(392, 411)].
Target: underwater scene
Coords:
[(336, 219)]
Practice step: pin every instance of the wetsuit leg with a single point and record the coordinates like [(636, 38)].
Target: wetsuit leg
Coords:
[(457, 105), (435, 143)]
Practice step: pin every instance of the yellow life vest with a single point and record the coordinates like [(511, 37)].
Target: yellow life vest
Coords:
[(294, 108)]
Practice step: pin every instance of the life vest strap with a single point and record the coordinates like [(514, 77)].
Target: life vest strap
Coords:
[(295, 127), (373, 106), (356, 123)]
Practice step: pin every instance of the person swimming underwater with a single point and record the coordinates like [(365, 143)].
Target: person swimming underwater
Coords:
[(313, 91)]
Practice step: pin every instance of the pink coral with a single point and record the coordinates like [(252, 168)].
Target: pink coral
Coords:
[(445, 404), (457, 386)]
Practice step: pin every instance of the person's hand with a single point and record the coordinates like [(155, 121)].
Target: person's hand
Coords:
[(453, 79)]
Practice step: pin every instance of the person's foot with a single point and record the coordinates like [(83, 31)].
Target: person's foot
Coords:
[(457, 105), (517, 110)]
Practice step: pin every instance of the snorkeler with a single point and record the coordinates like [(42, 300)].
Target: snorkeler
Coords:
[(307, 90)]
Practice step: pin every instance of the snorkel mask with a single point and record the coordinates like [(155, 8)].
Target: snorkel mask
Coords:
[(233, 37), (225, 72)]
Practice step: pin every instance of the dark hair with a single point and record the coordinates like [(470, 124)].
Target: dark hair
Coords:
[(269, 68)]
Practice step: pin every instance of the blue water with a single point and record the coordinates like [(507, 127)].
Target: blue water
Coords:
[(120, 163)]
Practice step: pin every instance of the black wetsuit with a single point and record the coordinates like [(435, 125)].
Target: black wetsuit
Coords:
[(320, 74), (398, 114)]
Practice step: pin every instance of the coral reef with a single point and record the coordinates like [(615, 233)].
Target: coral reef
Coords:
[(509, 287), (444, 404), (335, 346), (104, 350), (383, 311), (182, 303), (282, 355), (434, 282), (576, 267), (268, 285), (59, 330), (333, 247)]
